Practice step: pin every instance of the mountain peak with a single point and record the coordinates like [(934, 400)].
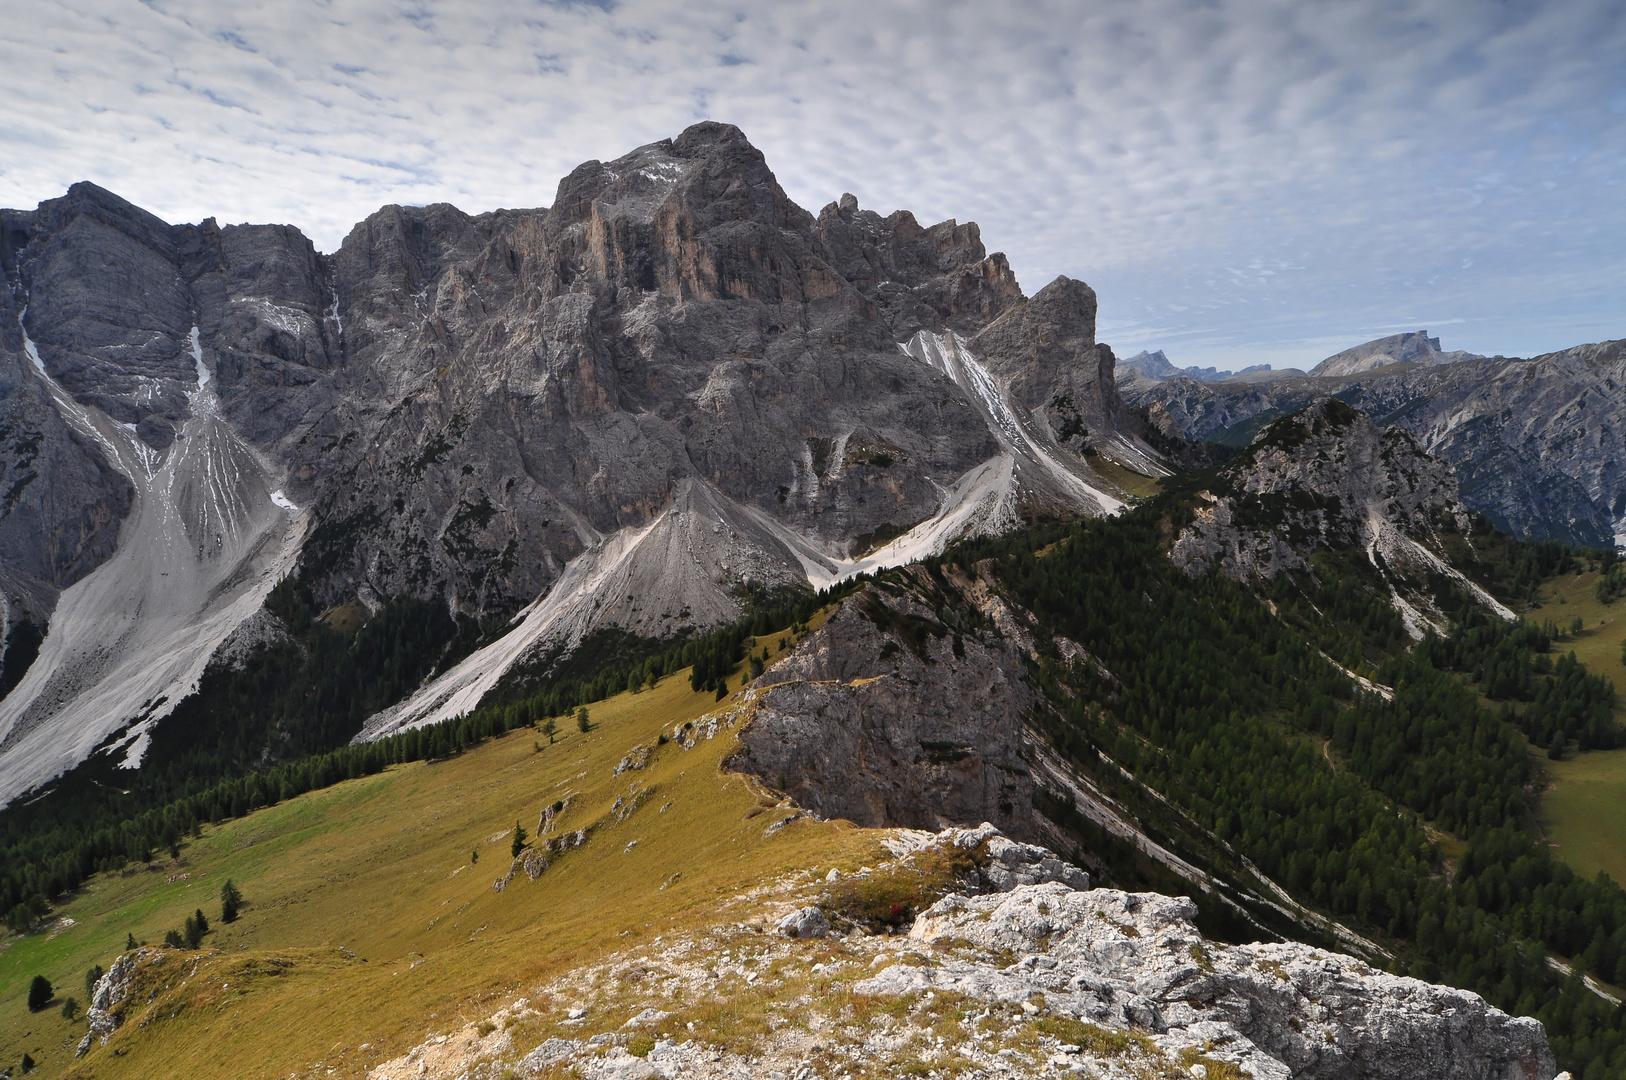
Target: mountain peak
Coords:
[(1412, 347), (1328, 477)]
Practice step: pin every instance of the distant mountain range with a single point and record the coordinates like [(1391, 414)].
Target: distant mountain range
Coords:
[(1155, 365), (1539, 445)]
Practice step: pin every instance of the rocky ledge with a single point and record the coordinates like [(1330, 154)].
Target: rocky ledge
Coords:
[(1135, 962), (1025, 972)]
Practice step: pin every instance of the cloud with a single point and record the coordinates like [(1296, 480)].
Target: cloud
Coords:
[(1234, 178)]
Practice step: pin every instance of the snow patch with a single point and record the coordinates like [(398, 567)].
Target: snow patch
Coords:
[(197, 359), (289, 320)]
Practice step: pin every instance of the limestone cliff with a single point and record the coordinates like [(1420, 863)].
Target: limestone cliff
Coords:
[(888, 715), (482, 407)]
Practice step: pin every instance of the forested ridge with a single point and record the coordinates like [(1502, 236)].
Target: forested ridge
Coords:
[(1231, 712)]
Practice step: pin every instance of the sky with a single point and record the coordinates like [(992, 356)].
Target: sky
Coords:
[(1241, 182)]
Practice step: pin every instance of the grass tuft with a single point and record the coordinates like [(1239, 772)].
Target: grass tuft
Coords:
[(891, 897)]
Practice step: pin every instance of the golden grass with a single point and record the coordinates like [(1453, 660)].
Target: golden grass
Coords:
[(366, 924)]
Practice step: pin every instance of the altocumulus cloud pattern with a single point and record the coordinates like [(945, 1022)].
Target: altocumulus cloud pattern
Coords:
[(1241, 181)]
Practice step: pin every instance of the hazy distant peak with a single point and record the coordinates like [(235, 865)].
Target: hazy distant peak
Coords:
[(1413, 347), (1156, 365)]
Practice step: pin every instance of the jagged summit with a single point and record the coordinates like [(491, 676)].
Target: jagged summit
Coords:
[(1328, 477), (483, 407)]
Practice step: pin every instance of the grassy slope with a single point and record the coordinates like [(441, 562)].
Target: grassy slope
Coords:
[(1137, 485), (380, 867), (1583, 813)]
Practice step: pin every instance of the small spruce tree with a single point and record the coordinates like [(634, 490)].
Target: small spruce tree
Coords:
[(549, 728), (39, 993), (230, 900), (519, 840), (474, 857), (92, 977), (173, 939), (70, 1009), (130, 942), (582, 723), (196, 927), (28, 1063)]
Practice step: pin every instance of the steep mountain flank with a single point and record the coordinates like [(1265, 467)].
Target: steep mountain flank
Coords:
[(490, 408), (1535, 443), (1328, 477)]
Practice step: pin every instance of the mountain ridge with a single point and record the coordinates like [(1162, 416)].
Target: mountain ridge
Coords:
[(467, 406)]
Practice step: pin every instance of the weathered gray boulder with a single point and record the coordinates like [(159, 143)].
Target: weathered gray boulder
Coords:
[(807, 922)]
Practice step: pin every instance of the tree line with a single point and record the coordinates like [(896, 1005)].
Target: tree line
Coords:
[(91, 825)]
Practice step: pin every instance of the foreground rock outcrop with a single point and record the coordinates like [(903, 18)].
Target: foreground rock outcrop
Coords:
[(1038, 979), (1135, 961)]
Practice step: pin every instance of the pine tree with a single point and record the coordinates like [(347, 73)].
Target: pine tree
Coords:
[(230, 900), (582, 723), (549, 728), (129, 942), (519, 840), (39, 993), (173, 939), (196, 927), (70, 1009), (92, 977)]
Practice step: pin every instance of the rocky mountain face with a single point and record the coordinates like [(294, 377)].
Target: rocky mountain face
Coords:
[(1536, 444), (1328, 477), (670, 387), (888, 715)]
